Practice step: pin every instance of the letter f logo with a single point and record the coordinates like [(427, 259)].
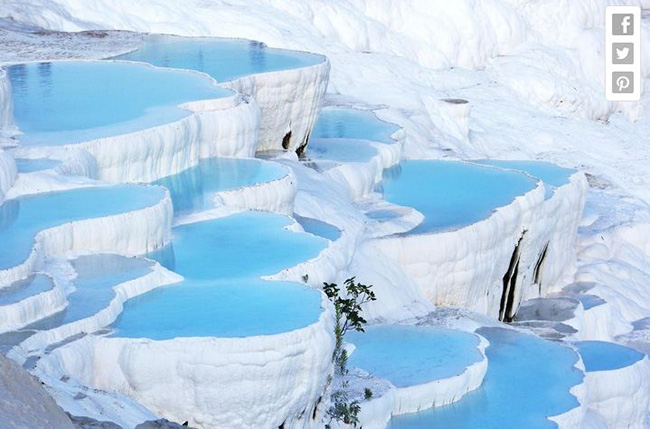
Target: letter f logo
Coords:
[(622, 24), (625, 23)]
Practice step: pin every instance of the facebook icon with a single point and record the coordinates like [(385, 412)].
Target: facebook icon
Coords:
[(622, 24)]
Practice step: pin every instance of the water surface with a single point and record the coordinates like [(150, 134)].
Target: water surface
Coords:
[(527, 380), (97, 275), (552, 175), (32, 165), (22, 218), (589, 301), (353, 124), (451, 194), (603, 356), (194, 189), (58, 103), (340, 150), (547, 172), (410, 355), (22, 289), (319, 228), (222, 294), (223, 59)]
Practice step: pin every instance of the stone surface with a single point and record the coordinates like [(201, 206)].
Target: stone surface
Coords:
[(24, 403)]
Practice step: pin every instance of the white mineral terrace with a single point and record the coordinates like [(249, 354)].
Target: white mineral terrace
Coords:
[(152, 267)]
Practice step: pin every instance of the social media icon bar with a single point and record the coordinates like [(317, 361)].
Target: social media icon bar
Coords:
[(623, 51)]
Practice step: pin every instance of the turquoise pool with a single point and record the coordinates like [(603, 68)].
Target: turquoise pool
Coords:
[(58, 103), (223, 59), (589, 301), (222, 295), (604, 356), (194, 189), (239, 308), (22, 218), (382, 215), (552, 175), (319, 228), (97, 275), (527, 380), (410, 355), (340, 150), (25, 288), (451, 194), (353, 124), (547, 172), (32, 165)]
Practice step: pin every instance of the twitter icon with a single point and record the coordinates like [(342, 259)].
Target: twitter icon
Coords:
[(622, 53)]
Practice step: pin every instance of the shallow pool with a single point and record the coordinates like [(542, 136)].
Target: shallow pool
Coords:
[(223, 59), (212, 308), (97, 275), (245, 245), (382, 215), (25, 288), (552, 175), (222, 294), (452, 194), (194, 189), (340, 150), (547, 172), (589, 301), (65, 102), (603, 356), (410, 355), (32, 165), (319, 228), (353, 124), (22, 218), (527, 380)]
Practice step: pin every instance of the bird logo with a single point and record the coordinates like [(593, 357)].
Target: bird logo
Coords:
[(622, 54)]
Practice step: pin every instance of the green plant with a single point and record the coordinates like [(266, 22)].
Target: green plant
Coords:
[(348, 317), (367, 394), (342, 410), (341, 362), (348, 308)]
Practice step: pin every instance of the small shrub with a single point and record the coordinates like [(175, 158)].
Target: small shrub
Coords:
[(348, 317), (342, 410), (367, 394)]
